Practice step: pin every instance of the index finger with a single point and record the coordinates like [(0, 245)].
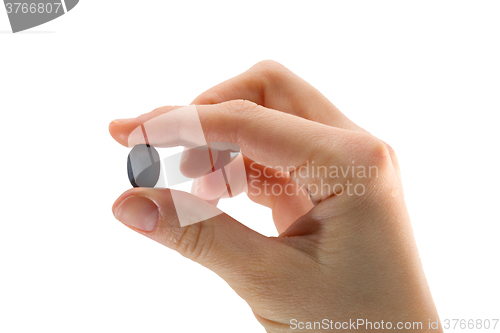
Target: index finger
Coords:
[(267, 136), (274, 86)]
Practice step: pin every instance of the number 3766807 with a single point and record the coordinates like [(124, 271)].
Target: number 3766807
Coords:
[(33, 8), (476, 324)]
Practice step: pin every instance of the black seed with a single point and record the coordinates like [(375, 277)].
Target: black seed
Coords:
[(143, 166)]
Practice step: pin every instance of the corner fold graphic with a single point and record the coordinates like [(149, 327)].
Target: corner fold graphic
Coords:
[(31, 13), (70, 4)]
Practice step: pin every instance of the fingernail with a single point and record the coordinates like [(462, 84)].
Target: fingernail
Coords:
[(138, 212), (118, 121)]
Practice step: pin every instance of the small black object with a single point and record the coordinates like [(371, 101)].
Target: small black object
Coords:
[(143, 166)]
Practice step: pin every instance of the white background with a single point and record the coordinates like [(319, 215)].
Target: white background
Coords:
[(424, 77)]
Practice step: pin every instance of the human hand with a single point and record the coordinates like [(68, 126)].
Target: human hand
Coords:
[(338, 256)]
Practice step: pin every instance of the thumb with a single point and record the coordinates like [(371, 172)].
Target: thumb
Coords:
[(219, 243)]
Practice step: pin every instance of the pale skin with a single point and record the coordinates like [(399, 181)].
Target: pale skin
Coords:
[(337, 256)]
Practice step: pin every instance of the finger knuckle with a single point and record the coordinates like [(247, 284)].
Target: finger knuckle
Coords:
[(377, 151), (271, 69), (369, 150), (391, 151), (195, 242), (240, 105), (268, 63)]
